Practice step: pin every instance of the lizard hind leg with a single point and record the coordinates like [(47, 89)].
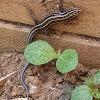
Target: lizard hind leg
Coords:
[(61, 6), (32, 15)]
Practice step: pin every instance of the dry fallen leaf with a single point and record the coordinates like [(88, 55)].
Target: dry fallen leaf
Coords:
[(2, 82)]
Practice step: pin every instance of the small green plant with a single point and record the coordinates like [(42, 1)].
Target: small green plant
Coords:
[(88, 91), (40, 52)]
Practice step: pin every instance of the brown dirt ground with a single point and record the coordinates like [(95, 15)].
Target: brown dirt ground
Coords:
[(44, 82)]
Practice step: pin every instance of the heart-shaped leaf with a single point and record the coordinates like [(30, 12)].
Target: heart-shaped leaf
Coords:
[(39, 52), (67, 61), (81, 93), (96, 78)]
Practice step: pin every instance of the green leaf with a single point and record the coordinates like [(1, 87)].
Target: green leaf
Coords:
[(81, 93), (96, 78), (94, 91), (67, 61), (39, 52), (89, 82), (97, 95)]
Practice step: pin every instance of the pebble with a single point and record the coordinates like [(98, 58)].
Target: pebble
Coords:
[(9, 55), (17, 59), (14, 91), (32, 89), (32, 80)]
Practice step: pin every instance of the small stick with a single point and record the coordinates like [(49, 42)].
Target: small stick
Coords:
[(7, 76)]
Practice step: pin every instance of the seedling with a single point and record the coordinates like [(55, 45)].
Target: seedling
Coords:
[(40, 52), (88, 91)]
